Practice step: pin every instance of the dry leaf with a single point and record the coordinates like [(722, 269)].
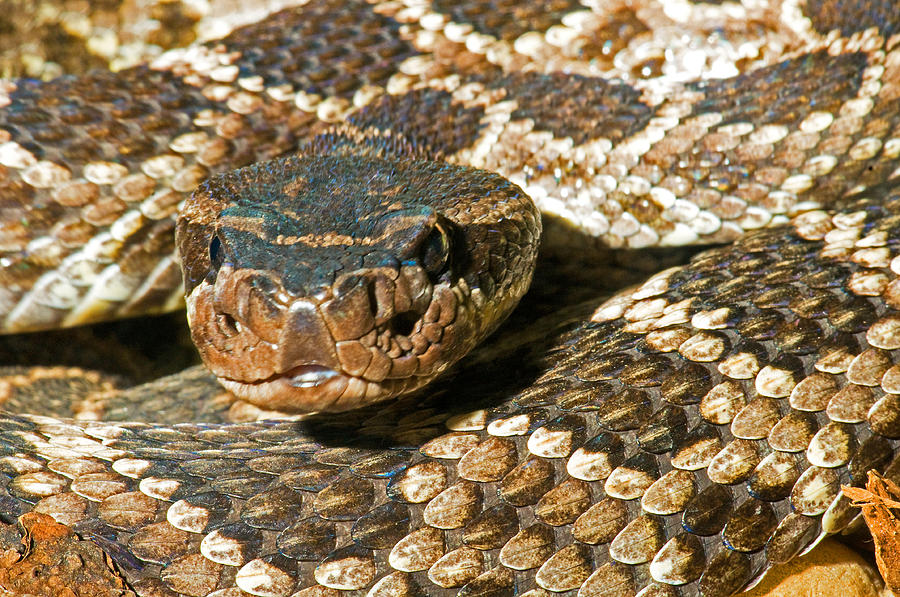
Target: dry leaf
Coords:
[(880, 503), (52, 561)]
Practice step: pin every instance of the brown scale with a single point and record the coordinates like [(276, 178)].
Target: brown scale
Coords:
[(822, 80), (852, 17), (431, 137), (61, 36), (328, 48), (580, 108), (505, 19), (620, 27)]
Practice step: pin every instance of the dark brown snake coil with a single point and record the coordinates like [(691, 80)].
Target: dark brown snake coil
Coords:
[(679, 439)]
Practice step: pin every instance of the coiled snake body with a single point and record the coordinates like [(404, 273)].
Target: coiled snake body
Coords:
[(677, 440)]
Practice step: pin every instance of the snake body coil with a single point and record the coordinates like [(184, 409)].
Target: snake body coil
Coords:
[(677, 439)]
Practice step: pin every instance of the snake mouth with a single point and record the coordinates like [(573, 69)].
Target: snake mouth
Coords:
[(312, 388), (302, 376), (307, 388), (310, 376)]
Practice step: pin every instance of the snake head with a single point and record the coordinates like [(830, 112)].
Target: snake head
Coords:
[(325, 283)]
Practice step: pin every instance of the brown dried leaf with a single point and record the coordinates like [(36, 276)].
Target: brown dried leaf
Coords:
[(880, 503), (51, 560)]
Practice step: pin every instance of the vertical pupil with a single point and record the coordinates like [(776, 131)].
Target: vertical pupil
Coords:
[(215, 251), (435, 253)]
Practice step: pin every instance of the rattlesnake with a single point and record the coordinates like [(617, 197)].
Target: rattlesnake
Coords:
[(676, 439)]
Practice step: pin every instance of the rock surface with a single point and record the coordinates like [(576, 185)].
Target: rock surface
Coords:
[(829, 570)]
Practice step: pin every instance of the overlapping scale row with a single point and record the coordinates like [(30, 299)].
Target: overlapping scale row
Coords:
[(666, 447)]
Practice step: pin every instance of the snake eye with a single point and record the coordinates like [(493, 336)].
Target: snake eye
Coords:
[(435, 252), (216, 253)]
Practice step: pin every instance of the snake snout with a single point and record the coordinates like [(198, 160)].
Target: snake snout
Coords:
[(306, 343), (380, 300)]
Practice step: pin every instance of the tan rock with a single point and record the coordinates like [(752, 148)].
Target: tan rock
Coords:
[(829, 570)]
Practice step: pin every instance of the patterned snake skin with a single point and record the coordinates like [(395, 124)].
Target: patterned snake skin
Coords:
[(677, 439)]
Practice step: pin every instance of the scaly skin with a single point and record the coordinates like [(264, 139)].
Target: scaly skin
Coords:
[(680, 439)]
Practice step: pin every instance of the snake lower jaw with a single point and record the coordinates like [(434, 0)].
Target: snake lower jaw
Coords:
[(311, 388)]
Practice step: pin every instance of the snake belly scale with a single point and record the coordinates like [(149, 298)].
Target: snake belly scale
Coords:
[(676, 439)]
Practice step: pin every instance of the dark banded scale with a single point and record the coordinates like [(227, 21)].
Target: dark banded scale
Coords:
[(676, 439)]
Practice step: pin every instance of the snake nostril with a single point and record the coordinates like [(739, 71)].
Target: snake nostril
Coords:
[(228, 325)]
